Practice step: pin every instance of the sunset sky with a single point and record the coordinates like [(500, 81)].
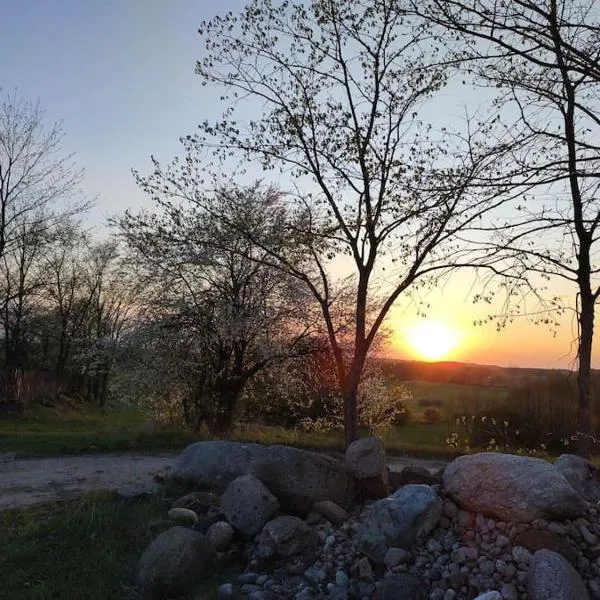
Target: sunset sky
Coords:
[(120, 76)]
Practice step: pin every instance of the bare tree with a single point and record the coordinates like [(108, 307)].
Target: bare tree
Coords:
[(35, 175), (543, 56), (341, 89)]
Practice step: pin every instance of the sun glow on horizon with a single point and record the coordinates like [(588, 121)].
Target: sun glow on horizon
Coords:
[(431, 340)]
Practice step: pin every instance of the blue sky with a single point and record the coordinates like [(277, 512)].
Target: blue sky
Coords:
[(119, 74)]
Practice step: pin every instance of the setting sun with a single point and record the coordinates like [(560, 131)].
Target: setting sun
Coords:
[(432, 340)]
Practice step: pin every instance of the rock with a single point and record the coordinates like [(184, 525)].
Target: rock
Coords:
[(297, 478), (183, 516), (331, 511), (551, 577), (225, 591), (511, 488), (493, 595), (220, 535), (174, 563), (364, 568), (581, 474), (285, 538), (402, 586), (366, 460), (396, 556), (247, 504), (199, 502), (397, 521), (539, 539), (414, 474)]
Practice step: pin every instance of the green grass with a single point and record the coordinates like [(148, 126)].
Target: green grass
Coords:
[(51, 431), (47, 431), (85, 549)]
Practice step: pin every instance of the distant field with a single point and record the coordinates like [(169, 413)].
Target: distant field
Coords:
[(454, 398)]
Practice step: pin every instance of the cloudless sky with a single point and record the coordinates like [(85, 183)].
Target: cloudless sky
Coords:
[(119, 74)]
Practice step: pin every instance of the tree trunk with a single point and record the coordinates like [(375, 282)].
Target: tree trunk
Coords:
[(351, 399), (584, 384)]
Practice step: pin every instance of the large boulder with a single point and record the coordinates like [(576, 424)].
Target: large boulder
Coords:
[(366, 459), (285, 540), (214, 465), (397, 521), (581, 474), (248, 505), (511, 488), (551, 577), (174, 563), (297, 478)]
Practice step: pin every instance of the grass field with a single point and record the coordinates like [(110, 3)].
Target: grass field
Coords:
[(83, 549), (455, 398), (51, 431)]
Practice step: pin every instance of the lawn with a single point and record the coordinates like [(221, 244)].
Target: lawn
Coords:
[(47, 431), (82, 549), (52, 431)]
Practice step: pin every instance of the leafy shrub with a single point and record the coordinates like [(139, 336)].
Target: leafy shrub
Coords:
[(433, 402), (431, 416)]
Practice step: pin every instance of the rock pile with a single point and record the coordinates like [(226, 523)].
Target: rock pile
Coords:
[(422, 542)]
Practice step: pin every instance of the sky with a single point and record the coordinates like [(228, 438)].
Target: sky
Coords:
[(119, 75)]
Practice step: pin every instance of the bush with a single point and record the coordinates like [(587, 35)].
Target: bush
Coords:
[(433, 402), (431, 416)]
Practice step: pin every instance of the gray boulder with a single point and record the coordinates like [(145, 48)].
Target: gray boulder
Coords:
[(511, 488), (247, 504), (551, 577), (397, 521), (493, 595), (297, 478), (214, 465), (284, 539), (581, 474), (174, 563), (366, 459)]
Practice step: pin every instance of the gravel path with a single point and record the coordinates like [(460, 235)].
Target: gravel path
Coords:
[(30, 481)]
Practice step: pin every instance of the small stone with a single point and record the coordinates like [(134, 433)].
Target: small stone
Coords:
[(470, 553), (557, 528), (183, 516), (433, 546), (521, 555), (248, 578), (502, 541), (330, 510), (221, 535), (341, 579), (450, 509), (590, 538), (225, 591), (449, 595), (364, 568), (396, 556)]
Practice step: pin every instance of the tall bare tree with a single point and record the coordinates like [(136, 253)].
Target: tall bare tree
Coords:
[(543, 56), (36, 177), (337, 91)]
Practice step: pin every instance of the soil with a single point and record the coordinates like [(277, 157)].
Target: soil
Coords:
[(30, 481)]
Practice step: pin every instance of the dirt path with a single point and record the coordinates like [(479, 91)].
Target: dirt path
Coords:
[(30, 481)]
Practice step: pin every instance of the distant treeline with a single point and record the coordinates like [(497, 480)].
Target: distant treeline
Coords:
[(469, 373)]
